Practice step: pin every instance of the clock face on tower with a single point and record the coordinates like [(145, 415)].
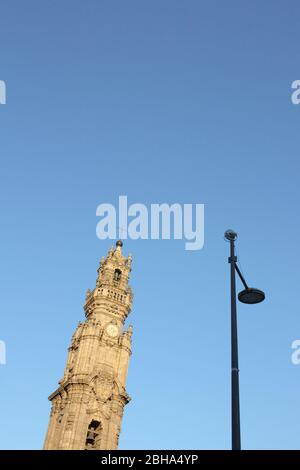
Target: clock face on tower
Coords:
[(112, 330)]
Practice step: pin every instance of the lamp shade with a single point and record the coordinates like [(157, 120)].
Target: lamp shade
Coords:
[(251, 296)]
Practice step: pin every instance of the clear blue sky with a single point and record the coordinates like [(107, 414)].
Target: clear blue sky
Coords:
[(163, 101)]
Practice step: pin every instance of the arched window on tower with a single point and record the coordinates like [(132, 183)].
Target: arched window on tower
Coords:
[(117, 275), (93, 436)]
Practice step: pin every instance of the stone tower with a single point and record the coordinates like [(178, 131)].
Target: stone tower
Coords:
[(87, 407)]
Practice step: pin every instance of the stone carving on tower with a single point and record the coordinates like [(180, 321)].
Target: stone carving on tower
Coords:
[(87, 407)]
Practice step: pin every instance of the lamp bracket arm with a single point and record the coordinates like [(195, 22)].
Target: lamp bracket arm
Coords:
[(241, 276)]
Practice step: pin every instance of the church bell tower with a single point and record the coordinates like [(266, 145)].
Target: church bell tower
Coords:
[(87, 407)]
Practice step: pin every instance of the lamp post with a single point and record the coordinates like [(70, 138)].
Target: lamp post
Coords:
[(247, 296)]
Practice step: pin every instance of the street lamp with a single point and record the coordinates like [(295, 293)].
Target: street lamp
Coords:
[(249, 295)]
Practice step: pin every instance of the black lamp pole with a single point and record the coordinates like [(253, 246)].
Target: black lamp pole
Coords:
[(235, 396), (249, 296)]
